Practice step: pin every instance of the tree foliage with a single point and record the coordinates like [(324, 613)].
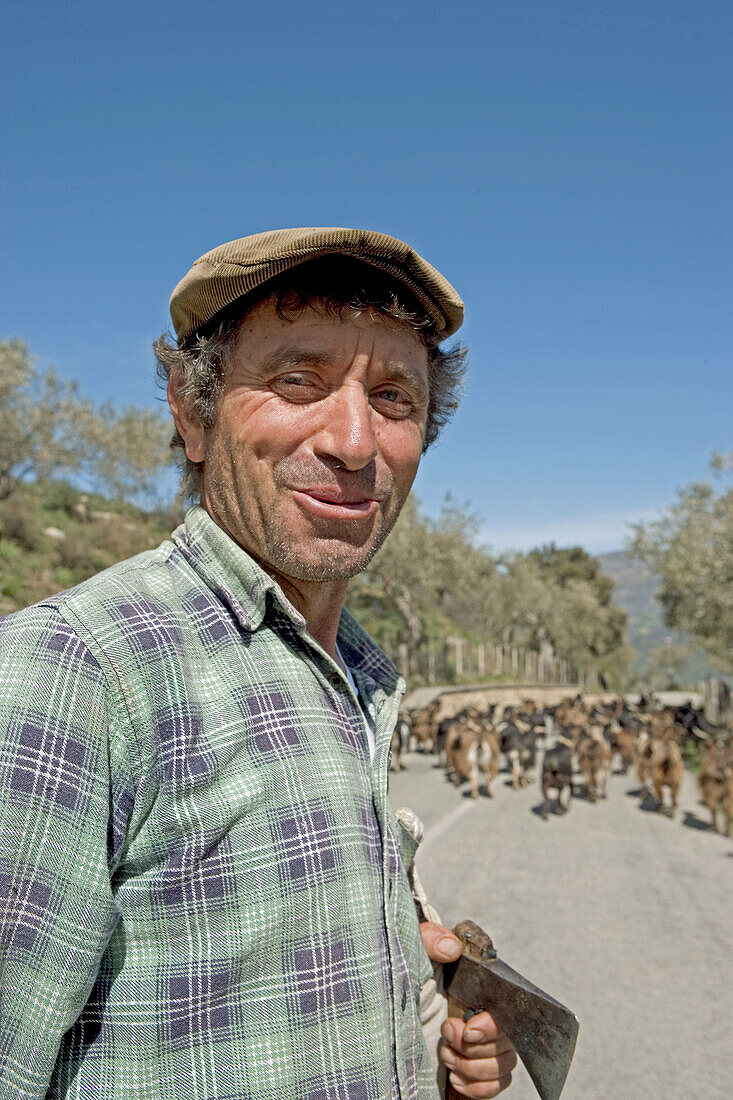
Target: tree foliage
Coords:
[(432, 581), (691, 547), (49, 430), (128, 450), (579, 616), (39, 415)]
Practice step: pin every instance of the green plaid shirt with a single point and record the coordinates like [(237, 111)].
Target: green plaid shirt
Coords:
[(201, 892)]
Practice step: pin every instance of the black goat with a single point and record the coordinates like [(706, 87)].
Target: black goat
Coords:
[(557, 774)]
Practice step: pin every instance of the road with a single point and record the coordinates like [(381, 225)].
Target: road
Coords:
[(619, 912)]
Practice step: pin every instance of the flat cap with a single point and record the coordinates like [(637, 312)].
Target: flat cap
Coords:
[(232, 270)]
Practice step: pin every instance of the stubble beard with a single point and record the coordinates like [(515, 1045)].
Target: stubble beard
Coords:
[(338, 561), (341, 556)]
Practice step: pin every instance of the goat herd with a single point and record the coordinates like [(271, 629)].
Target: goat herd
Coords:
[(577, 736)]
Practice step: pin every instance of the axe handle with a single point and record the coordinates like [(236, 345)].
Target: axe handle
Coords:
[(455, 1008)]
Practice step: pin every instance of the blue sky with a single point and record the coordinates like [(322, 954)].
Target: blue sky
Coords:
[(567, 165)]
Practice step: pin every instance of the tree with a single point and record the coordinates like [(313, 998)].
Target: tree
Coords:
[(48, 430), (128, 449), (431, 582), (428, 582), (691, 547), (564, 566), (665, 667), (562, 597), (39, 418)]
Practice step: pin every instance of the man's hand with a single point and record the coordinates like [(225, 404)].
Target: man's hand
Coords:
[(477, 1053)]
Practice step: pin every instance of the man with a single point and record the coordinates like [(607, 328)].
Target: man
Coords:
[(204, 895)]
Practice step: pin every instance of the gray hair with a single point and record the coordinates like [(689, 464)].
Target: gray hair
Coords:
[(331, 285)]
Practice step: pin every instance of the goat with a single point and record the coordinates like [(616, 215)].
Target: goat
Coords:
[(400, 745), (643, 760), (424, 726), (557, 774), (624, 742), (594, 757), (716, 783), (520, 749), (471, 748), (666, 771)]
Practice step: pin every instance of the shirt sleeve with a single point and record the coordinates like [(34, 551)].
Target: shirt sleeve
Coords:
[(57, 911)]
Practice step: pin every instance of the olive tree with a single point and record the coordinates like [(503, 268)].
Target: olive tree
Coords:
[(49, 430), (691, 547), (39, 421)]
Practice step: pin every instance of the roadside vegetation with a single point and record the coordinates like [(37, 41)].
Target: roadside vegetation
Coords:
[(432, 582), (691, 548)]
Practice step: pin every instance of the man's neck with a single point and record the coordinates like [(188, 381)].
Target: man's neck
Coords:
[(320, 603)]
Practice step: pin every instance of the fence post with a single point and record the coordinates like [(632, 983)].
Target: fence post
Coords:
[(431, 662), (459, 656)]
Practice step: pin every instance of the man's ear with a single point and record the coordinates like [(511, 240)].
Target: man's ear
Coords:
[(188, 425)]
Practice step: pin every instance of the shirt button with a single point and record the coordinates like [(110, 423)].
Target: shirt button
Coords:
[(404, 999), (390, 887)]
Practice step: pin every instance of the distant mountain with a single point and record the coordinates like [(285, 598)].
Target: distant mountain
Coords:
[(635, 590)]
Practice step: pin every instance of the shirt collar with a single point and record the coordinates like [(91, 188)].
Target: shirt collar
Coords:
[(365, 659), (229, 571)]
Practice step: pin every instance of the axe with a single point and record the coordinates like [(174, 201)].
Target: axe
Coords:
[(542, 1030)]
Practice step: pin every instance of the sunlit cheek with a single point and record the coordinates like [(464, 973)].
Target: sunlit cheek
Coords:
[(277, 430), (401, 442)]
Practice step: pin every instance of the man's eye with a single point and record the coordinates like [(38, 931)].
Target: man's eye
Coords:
[(297, 386), (296, 380), (392, 402)]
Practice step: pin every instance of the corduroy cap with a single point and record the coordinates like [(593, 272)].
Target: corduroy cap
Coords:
[(232, 270)]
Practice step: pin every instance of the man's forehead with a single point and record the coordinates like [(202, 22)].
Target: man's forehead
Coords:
[(324, 333)]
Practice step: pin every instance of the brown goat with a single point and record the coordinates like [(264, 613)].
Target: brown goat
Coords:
[(716, 784), (624, 741), (471, 749), (643, 760), (666, 771), (425, 726), (594, 757)]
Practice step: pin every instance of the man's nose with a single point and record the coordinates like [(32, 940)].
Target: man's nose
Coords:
[(347, 433)]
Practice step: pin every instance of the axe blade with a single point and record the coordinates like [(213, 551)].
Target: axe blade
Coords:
[(542, 1030)]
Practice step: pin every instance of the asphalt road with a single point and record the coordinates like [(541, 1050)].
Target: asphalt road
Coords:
[(622, 914)]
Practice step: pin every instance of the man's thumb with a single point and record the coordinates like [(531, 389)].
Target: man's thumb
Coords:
[(441, 945)]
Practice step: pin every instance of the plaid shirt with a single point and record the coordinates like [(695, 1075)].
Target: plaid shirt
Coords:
[(201, 893)]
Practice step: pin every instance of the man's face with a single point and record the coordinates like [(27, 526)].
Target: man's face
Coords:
[(318, 439)]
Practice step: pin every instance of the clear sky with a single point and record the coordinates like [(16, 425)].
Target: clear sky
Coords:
[(566, 164)]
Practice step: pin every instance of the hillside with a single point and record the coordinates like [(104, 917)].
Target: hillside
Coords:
[(52, 537), (635, 590)]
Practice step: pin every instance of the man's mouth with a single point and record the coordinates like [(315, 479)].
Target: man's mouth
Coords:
[(335, 503)]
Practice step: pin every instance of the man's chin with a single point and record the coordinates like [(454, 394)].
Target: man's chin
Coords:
[(333, 566), (326, 559)]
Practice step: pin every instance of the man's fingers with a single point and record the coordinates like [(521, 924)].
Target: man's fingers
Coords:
[(441, 945), (480, 1069), (479, 1090), (481, 1050), (481, 1028)]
